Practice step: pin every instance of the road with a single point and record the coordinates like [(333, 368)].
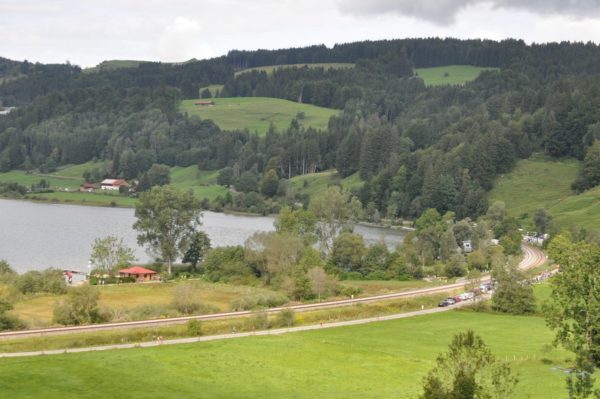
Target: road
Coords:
[(533, 257)]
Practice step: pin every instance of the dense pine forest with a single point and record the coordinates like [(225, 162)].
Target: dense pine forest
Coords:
[(414, 146)]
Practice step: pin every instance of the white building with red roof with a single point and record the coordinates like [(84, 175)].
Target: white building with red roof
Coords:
[(113, 184), (139, 273)]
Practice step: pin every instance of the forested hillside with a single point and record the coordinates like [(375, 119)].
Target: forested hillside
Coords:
[(416, 147)]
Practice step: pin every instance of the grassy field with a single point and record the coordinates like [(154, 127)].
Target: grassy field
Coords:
[(213, 89), (269, 69), (202, 183), (56, 181), (378, 360), (37, 311), (257, 113), (314, 183), (450, 75), (543, 182)]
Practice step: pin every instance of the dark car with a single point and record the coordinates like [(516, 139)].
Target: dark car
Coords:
[(447, 302)]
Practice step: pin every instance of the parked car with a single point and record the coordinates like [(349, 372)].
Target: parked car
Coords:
[(447, 302), (466, 296)]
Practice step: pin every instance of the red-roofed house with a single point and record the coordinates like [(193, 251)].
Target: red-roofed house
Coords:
[(113, 184), (139, 273)]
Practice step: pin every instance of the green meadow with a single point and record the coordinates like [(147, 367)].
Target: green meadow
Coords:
[(202, 183), (544, 182), (313, 183), (257, 113), (378, 360), (214, 89), (450, 74)]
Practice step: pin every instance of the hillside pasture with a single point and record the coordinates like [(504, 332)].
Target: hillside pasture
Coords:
[(543, 182), (257, 113), (450, 74), (313, 183), (202, 183)]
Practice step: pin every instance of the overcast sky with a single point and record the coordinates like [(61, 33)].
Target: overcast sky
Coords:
[(86, 32)]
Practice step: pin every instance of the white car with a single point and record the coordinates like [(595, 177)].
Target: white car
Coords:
[(466, 296)]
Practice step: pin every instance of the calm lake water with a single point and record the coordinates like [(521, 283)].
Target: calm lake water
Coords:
[(36, 236)]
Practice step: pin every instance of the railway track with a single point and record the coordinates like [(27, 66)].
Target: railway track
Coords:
[(533, 257)]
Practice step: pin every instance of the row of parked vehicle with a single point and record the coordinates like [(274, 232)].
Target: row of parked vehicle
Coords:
[(466, 296)]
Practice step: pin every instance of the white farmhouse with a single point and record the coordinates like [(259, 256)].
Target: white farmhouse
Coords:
[(113, 184)]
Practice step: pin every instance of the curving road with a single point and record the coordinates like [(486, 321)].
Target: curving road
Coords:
[(533, 257)]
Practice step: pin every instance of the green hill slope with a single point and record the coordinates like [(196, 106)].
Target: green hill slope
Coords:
[(542, 182), (450, 74), (314, 183), (257, 113)]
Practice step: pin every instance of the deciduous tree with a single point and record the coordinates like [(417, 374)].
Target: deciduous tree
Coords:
[(166, 218), (109, 253), (574, 310), (469, 371)]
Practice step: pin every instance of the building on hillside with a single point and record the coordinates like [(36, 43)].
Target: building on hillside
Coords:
[(87, 187), (6, 110), (467, 246), (139, 273), (113, 184)]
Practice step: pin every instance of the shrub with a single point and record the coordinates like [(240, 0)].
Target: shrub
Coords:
[(8, 322), (258, 321), (144, 312), (286, 318), (252, 301), (185, 299), (80, 307), (350, 291), (194, 328), (51, 281), (227, 263)]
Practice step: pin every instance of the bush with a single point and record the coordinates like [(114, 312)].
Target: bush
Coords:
[(194, 328), (263, 300), (8, 322), (286, 318), (80, 307), (51, 281), (185, 299), (144, 312), (514, 294), (350, 291), (226, 264), (258, 321)]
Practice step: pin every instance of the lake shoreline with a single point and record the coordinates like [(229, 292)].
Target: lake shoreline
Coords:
[(38, 235), (44, 200)]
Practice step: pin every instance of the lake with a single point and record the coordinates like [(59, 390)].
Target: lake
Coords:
[(35, 236)]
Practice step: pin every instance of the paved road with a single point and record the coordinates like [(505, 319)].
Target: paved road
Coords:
[(533, 257)]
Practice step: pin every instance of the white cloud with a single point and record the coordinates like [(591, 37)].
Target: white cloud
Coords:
[(87, 32), (181, 40), (444, 12)]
